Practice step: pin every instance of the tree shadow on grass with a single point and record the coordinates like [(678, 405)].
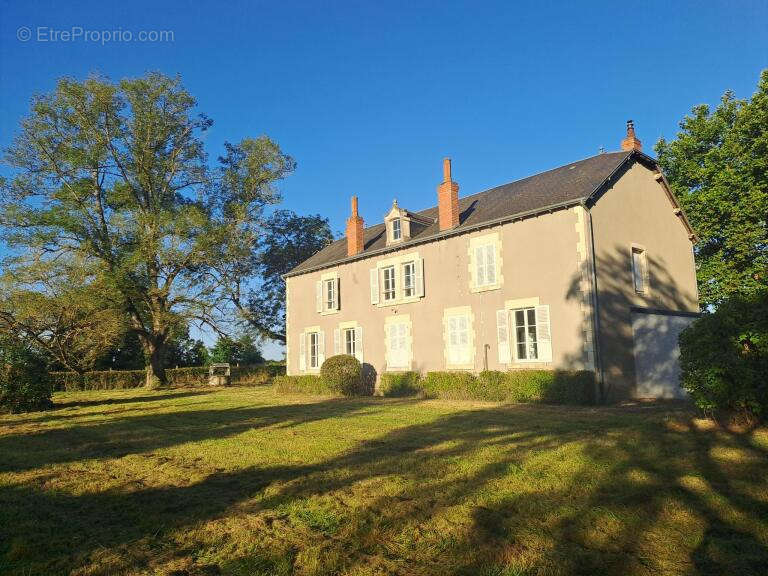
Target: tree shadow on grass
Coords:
[(540, 490), (128, 400)]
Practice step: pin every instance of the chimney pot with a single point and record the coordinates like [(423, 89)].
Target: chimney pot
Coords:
[(448, 199), (355, 242), (631, 142)]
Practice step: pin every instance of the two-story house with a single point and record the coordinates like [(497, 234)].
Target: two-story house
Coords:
[(586, 266)]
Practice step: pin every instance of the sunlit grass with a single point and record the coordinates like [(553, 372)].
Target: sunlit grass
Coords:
[(242, 482)]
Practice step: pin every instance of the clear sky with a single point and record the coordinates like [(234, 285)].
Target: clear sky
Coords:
[(369, 96)]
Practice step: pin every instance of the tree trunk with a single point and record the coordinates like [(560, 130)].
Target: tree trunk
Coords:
[(156, 365)]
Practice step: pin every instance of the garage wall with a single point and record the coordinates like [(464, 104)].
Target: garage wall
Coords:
[(636, 210)]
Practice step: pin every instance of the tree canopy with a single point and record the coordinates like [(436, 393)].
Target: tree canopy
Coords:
[(115, 176), (718, 168)]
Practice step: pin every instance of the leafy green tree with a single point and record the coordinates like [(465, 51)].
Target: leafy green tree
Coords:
[(116, 175), (243, 351), (24, 382), (290, 239), (66, 312), (718, 168)]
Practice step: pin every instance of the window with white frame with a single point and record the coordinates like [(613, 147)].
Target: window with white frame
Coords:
[(397, 231), (388, 275), (485, 265), (458, 341), (331, 294), (639, 269), (350, 342), (314, 349), (398, 345), (409, 279), (526, 336)]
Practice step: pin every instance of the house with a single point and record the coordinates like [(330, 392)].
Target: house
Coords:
[(586, 266)]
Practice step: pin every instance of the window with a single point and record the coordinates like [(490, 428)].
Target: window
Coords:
[(526, 334), (397, 232), (389, 283), (314, 349), (331, 297), (639, 269), (350, 343), (485, 265), (399, 350), (458, 346), (409, 279)]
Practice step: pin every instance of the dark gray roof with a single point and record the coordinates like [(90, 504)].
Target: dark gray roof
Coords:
[(571, 183)]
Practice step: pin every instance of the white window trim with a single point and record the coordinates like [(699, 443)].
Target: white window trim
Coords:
[(339, 336), (512, 330), (397, 263), (329, 276), (306, 348), (398, 319), (477, 242), (646, 271), (457, 312)]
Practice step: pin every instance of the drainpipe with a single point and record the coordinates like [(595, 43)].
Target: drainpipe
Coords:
[(597, 349)]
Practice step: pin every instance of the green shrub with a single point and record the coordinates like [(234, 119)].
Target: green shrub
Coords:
[(24, 382), (551, 386), (397, 384), (177, 377), (303, 384), (724, 358), (343, 374)]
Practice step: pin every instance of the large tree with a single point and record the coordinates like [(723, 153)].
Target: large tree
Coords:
[(718, 168), (115, 174), (290, 239)]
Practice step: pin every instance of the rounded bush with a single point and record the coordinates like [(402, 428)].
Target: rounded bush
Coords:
[(24, 382), (342, 374), (724, 358)]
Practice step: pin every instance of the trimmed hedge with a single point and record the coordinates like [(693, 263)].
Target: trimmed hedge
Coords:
[(342, 373), (177, 377), (24, 382), (304, 384), (398, 384), (550, 386)]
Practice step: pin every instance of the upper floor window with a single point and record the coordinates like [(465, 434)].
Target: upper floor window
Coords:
[(390, 291), (397, 232), (639, 269), (328, 295), (409, 279), (485, 262)]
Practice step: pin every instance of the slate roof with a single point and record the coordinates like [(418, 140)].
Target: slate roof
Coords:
[(558, 187)]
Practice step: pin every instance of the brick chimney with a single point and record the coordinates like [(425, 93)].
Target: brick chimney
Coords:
[(354, 231), (631, 142), (448, 199)]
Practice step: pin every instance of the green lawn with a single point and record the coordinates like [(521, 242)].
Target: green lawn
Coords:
[(240, 481)]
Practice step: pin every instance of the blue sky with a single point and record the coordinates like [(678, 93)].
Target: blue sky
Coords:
[(369, 96)]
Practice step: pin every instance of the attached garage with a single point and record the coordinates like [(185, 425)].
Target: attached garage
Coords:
[(656, 352)]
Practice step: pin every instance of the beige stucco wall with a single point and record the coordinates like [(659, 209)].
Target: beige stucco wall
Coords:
[(541, 257), (637, 210)]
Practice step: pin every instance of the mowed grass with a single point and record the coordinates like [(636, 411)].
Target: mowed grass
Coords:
[(243, 482)]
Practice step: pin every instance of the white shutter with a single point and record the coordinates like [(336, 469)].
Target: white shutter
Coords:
[(479, 266), (359, 343), (303, 352), (336, 295), (336, 342), (419, 271), (490, 261), (502, 336), (374, 285), (319, 296), (320, 349), (543, 333)]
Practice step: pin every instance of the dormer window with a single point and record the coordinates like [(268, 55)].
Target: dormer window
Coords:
[(397, 233)]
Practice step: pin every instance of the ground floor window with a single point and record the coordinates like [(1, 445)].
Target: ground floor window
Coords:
[(398, 345), (314, 349), (350, 342), (459, 350), (526, 333)]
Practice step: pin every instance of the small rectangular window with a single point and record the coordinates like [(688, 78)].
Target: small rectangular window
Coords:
[(314, 349), (639, 269), (330, 294), (390, 292), (526, 334), (396, 230), (485, 265), (350, 344), (409, 279)]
